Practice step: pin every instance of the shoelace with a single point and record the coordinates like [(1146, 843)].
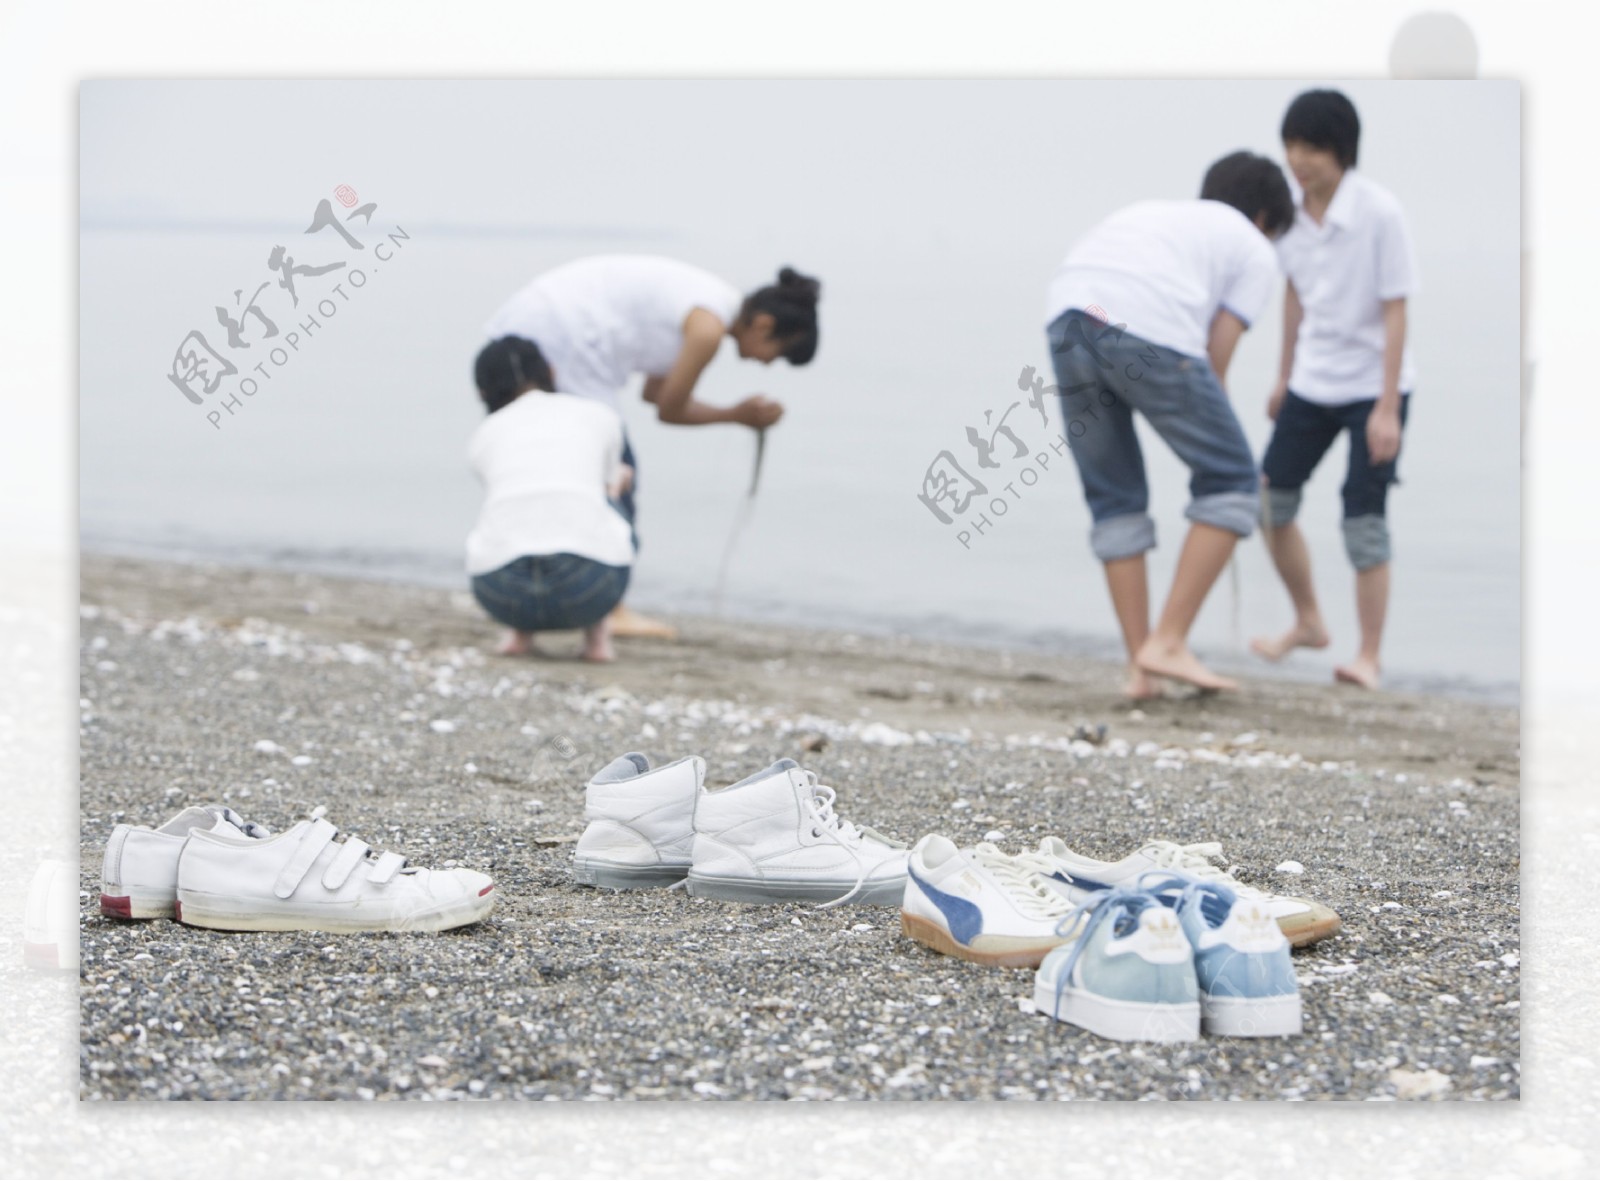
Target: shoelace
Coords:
[(1023, 879), (1197, 860), (826, 819), (823, 814), (1088, 915), (1182, 891)]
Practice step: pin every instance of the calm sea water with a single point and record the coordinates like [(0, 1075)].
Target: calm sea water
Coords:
[(351, 455), (352, 458)]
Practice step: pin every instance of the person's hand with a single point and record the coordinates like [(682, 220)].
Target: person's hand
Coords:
[(619, 487), (1275, 400), (757, 412), (1383, 434)]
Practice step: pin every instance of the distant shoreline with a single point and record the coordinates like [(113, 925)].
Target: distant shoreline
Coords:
[(854, 678), (416, 569)]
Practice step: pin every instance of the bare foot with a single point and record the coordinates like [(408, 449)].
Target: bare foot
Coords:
[(627, 622), (516, 644), (1361, 671), (1180, 664), (1141, 686), (1301, 635), (597, 644)]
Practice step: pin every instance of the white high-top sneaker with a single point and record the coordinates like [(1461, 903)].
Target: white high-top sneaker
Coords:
[(139, 876), (304, 880), (641, 823), (775, 837)]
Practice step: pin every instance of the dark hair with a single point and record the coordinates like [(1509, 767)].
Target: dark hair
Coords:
[(792, 304), (1254, 186), (508, 367), (1325, 119)]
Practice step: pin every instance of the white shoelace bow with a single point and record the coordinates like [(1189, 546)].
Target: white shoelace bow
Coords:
[(825, 819), (823, 815), (1197, 859), (1023, 879)]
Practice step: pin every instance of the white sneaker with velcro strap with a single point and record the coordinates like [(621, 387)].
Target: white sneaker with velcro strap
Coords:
[(306, 880), (139, 874)]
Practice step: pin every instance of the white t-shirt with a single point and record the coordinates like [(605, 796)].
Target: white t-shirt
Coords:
[(1163, 268), (1342, 271), (545, 461), (599, 320)]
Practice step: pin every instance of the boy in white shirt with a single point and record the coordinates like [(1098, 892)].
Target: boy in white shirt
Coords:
[(1346, 368), (1144, 314)]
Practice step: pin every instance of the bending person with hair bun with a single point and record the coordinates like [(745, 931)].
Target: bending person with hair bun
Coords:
[(599, 320)]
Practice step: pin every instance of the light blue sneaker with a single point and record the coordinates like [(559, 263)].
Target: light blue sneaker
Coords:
[(1241, 958), (1128, 974)]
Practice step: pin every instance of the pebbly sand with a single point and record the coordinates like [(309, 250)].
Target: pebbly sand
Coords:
[(275, 692)]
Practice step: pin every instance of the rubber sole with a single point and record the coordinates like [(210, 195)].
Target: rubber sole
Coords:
[(931, 934), (227, 914), (613, 875), (1121, 1021), (136, 906), (758, 890), (1272, 1016)]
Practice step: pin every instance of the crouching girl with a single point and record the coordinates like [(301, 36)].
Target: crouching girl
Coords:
[(550, 550)]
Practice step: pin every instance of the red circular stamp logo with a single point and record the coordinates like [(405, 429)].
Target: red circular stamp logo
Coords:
[(346, 195)]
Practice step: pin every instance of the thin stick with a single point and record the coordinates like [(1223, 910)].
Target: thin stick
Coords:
[(739, 522)]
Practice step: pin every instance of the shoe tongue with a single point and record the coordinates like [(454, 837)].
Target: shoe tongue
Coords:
[(778, 768), (191, 817), (628, 766), (227, 827)]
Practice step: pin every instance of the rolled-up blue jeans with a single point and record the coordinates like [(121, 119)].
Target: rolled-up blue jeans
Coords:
[(1104, 375), (554, 592)]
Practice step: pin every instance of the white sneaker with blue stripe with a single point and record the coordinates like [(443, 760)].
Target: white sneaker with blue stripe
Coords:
[(1301, 920), (1241, 959), (1128, 972), (980, 905)]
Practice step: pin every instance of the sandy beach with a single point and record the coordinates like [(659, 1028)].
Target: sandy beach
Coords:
[(276, 692)]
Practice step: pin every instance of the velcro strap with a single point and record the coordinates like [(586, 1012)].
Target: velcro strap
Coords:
[(388, 865), (312, 842), (350, 855)]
